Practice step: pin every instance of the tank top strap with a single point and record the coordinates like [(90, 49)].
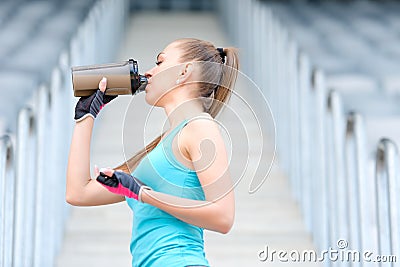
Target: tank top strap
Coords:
[(170, 136)]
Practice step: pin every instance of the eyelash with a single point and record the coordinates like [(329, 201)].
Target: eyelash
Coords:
[(158, 63)]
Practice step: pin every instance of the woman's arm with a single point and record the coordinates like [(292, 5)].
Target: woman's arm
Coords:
[(81, 190), (216, 216), (203, 142)]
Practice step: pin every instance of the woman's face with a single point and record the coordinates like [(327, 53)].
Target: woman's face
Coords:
[(162, 78)]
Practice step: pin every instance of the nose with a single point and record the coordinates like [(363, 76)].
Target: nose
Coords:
[(148, 74)]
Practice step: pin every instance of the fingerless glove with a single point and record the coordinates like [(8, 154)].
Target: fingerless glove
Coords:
[(123, 184), (91, 105)]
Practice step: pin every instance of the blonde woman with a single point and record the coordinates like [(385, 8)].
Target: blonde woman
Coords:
[(179, 184)]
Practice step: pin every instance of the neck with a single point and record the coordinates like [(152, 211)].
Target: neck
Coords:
[(181, 110)]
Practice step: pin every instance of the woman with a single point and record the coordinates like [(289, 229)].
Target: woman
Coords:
[(180, 182)]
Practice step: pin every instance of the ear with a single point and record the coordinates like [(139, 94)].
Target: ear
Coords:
[(186, 72)]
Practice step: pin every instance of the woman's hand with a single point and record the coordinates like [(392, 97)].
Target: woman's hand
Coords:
[(107, 171), (120, 183), (91, 105)]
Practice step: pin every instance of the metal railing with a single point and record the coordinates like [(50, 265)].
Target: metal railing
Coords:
[(33, 210), (323, 149)]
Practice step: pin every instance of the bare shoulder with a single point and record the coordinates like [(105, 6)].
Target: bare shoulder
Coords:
[(198, 130), (201, 126)]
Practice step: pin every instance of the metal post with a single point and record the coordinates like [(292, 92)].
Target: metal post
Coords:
[(338, 199), (66, 112), (305, 140), (25, 188), (42, 190), (355, 140), (254, 47), (293, 96), (7, 194), (387, 190), (264, 50), (320, 220), (55, 151)]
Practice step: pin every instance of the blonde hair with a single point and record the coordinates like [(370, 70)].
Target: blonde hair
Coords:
[(219, 80)]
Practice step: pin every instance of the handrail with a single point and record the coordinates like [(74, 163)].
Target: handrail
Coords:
[(387, 191), (7, 185)]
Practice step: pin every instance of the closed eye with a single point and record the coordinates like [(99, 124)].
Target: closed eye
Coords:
[(158, 63)]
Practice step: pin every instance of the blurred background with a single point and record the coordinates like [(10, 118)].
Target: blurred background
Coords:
[(329, 71)]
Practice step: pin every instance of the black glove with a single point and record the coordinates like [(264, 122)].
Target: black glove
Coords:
[(91, 105), (123, 184)]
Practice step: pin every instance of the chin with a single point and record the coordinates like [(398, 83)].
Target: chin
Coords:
[(152, 102)]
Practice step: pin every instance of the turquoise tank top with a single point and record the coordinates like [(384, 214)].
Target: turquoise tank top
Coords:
[(158, 238)]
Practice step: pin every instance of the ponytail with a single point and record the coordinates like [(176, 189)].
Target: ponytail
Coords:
[(129, 165), (229, 74)]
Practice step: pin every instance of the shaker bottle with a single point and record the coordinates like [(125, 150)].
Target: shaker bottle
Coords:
[(122, 78)]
